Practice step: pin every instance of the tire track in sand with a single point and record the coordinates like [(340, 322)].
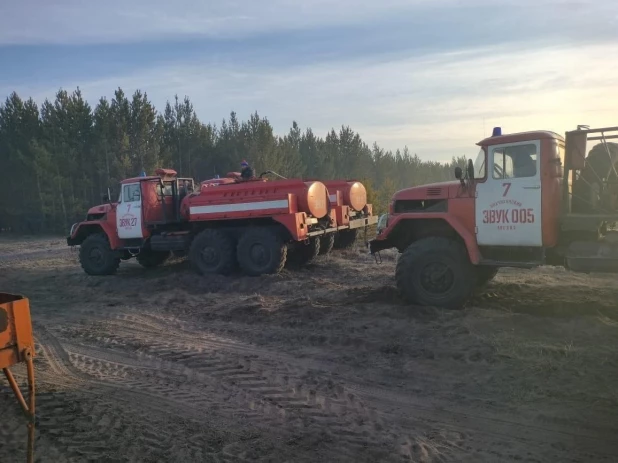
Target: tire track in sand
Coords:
[(174, 377), (266, 377), (92, 417), (265, 392), (593, 443)]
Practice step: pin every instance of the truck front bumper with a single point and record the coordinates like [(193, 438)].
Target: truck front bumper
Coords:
[(70, 240), (380, 243), (377, 245)]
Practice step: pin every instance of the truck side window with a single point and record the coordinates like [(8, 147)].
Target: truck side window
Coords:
[(514, 161), (165, 190), (131, 193)]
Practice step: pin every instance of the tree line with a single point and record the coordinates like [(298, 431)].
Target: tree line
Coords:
[(59, 159)]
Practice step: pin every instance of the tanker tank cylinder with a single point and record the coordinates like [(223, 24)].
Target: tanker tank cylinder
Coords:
[(354, 194), (314, 199)]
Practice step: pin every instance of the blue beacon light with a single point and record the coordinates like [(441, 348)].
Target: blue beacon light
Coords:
[(497, 132)]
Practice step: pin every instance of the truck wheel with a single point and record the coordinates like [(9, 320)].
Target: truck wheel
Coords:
[(97, 257), (149, 259), (302, 253), (212, 252), (261, 251), (484, 275), (326, 243), (436, 272), (345, 239)]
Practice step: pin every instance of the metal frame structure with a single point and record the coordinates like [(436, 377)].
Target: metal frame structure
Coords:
[(576, 150), (16, 346)]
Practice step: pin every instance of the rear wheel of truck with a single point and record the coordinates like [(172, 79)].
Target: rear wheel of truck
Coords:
[(326, 243), (148, 258), (211, 252), (97, 257), (261, 250), (345, 239), (436, 272), (302, 254)]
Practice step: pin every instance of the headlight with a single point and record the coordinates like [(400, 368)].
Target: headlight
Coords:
[(382, 222)]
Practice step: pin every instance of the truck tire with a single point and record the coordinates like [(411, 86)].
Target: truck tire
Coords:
[(435, 272), (302, 254), (261, 250), (148, 258), (484, 275), (211, 252), (326, 243), (97, 257), (345, 239)]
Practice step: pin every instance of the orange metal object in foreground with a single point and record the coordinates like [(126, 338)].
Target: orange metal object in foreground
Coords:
[(17, 345)]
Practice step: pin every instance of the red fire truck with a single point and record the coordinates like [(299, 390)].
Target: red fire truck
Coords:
[(224, 224), (529, 199)]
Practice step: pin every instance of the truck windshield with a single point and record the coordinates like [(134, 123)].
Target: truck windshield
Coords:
[(480, 166)]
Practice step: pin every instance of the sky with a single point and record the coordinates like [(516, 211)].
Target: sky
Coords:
[(432, 75)]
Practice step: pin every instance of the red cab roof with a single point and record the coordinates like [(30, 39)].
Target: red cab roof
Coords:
[(165, 174), (139, 179), (520, 136)]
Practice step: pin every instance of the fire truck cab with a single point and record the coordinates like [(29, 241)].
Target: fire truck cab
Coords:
[(529, 199)]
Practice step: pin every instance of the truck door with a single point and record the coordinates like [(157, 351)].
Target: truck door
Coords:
[(129, 212), (508, 203)]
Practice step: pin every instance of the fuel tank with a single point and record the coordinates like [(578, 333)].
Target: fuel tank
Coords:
[(354, 193), (258, 197), (314, 199)]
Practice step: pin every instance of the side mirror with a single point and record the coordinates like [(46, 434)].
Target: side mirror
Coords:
[(107, 198), (470, 169), (458, 173)]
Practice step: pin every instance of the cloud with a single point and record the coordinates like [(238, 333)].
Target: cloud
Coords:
[(114, 21), (437, 105), (118, 21), (325, 32)]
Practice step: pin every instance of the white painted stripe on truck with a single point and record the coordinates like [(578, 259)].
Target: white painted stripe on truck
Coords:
[(240, 207), (332, 198)]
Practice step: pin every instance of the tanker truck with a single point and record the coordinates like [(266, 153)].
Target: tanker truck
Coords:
[(222, 225)]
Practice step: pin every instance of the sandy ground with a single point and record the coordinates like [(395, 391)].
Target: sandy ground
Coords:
[(324, 364)]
